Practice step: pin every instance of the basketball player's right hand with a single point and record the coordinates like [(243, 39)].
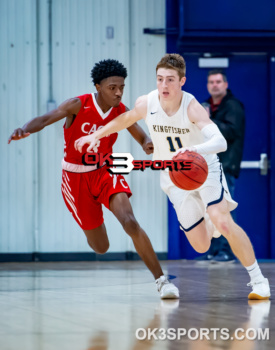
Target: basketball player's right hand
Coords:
[(18, 134), (90, 139), (184, 149)]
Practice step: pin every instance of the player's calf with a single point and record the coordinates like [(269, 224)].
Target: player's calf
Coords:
[(99, 248), (97, 239), (199, 248), (199, 238), (130, 224)]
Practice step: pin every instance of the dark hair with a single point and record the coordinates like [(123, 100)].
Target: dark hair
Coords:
[(218, 71), (173, 61), (107, 68)]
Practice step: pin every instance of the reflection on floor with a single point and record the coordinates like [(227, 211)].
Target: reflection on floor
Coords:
[(115, 306)]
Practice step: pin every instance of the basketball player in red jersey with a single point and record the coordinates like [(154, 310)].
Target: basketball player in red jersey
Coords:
[(86, 188)]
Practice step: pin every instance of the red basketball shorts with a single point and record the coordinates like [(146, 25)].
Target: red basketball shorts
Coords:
[(84, 194)]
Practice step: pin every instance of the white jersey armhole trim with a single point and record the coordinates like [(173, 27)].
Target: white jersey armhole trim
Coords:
[(191, 98)]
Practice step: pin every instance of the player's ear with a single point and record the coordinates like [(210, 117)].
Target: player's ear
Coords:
[(98, 87), (182, 81)]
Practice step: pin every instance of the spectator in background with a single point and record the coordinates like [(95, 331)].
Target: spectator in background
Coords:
[(227, 112)]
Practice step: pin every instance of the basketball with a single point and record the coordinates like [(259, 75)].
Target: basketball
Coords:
[(193, 178)]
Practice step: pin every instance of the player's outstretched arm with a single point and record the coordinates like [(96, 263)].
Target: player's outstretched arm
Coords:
[(214, 142), (68, 109), (123, 121)]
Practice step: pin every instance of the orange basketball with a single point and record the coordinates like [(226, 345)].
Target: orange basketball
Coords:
[(193, 178)]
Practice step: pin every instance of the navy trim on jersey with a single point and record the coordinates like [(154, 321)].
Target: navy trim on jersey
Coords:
[(221, 197), (193, 226)]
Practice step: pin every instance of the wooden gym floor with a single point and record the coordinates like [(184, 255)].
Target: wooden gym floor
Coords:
[(101, 305)]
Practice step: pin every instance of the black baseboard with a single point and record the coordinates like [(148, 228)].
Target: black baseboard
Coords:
[(29, 257)]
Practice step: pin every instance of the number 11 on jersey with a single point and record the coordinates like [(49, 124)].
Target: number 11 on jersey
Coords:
[(177, 139)]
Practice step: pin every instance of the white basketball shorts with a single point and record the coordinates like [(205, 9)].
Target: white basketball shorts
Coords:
[(191, 206)]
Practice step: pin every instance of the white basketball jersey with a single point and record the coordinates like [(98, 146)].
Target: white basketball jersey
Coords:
[(171, 133)]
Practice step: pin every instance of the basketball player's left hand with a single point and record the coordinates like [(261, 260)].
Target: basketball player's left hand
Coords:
[(184, 149), (90, 139), (148, 146)]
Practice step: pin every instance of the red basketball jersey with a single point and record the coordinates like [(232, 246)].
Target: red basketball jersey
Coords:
[(89, 119)]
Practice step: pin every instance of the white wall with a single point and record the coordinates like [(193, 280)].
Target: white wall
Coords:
[(33, 215), (18, 100)]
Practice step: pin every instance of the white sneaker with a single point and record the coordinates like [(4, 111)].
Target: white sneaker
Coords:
[(211, 227), (167, 289), (260, 290)]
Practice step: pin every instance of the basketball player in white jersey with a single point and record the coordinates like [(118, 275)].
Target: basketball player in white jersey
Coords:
[(177, 122)]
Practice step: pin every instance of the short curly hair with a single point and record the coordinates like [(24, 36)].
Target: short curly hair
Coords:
[(173, 61), (107, 68)]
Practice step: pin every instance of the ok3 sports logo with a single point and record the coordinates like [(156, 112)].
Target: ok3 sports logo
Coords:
[(124, 163)]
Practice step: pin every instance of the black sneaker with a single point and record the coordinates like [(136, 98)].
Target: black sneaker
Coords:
[(223, 257), (205, 257)]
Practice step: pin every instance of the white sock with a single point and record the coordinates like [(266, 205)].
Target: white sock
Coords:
[(255, 272)]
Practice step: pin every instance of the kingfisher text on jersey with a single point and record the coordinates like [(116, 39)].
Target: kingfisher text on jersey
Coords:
[(169, 129)]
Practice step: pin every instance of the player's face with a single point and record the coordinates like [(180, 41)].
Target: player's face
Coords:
[(169, 83), (216, 86), (110, 91)]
